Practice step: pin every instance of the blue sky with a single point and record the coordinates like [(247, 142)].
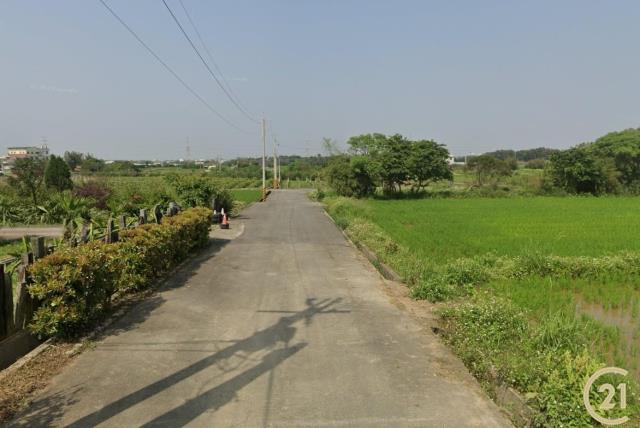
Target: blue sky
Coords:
[(476, 76)]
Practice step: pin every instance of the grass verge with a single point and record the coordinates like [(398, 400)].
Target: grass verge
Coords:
[(522, 319)]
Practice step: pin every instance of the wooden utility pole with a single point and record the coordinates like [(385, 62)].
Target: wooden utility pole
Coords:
[(275, 165), (264, 156), (279, 171)]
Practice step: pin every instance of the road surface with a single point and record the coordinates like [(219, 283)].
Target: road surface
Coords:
[(286, 326), (10, 233)]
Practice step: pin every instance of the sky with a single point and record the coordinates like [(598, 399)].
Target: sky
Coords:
[(476, 76)]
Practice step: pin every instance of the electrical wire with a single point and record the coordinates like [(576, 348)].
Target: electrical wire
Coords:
[(169, 69), (204, 62), (210, 55)]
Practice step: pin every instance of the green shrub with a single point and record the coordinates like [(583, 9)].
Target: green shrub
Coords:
[(75, 284)]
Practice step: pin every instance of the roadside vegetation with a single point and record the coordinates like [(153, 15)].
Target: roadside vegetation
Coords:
[(76, 285), (535, 278), (519, 315)]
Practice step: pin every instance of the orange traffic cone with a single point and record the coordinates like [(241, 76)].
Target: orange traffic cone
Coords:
[(225, 222)]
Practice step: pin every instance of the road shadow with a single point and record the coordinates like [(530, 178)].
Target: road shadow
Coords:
[(272, 342), (43, 412)]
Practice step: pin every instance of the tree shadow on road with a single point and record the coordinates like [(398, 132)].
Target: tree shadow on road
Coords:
[(43, 412), (274, 340)]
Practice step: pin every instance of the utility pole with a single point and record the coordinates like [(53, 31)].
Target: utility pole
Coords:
[(279, 170), (275, 164), (264, 156)]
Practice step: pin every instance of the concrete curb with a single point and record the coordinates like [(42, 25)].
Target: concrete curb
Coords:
[(507, 398), (26, 358), (385, 270)]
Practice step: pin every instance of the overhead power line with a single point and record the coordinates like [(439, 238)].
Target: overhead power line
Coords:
[(210, 55), (204, 62), (169, 69)]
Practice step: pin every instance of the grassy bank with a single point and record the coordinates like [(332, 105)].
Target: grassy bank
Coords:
[(536, 293)]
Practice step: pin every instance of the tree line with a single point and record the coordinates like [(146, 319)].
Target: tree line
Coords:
[(610, 164)]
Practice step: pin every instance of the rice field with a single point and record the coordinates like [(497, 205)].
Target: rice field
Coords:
[(442, 229)]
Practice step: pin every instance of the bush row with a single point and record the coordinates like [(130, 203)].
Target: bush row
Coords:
[(75, 285)]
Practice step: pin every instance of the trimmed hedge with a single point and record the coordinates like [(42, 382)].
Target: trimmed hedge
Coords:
[(75, 284)]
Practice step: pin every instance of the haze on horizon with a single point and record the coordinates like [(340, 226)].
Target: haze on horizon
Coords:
[(476, 76)]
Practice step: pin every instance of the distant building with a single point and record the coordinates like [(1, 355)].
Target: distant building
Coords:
[(41, 152), (13, 153)]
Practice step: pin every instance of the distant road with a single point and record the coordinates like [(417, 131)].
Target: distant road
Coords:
[(10, 233), (286, 325)]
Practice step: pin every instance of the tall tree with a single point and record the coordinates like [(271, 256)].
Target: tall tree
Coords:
[(57, 174), (427, 162), (391, 158), (27, 177), (92, 164)]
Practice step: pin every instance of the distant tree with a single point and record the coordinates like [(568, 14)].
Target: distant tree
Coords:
[(535, 164), (523, 155), (366, 144), (91, 164), (578, 170), (427, 162), (537, 153), (57, 174), (501, 154), (488, 169), (350, 176), (27, 177), (623, 149), (121, 168), (73, 159)]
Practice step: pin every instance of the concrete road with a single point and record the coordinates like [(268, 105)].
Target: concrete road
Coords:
[(286, 325)]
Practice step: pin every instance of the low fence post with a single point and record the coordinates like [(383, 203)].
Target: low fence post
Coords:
[(37, 247), (4, 330), (172, 209), (142, 218), (111, 234), (6, 302), (157, 213), (84, 233), (122, 222), (24, 302)]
